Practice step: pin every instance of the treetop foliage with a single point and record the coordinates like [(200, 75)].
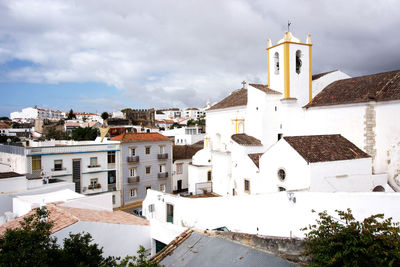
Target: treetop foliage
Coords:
[(32, 245), (344, 241)]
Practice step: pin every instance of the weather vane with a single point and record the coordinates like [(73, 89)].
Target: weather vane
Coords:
[(288, 26)]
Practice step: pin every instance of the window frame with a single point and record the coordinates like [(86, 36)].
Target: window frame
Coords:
[(36, 163), (145, 170), (61, 165), (147, 148), (246, 181), (209, 176), (133, 190), (165, 187), (111, 155), (179, 168)]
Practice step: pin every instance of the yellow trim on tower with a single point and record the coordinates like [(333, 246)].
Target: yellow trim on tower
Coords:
[(310, 72), (268, 70), (286, 70)]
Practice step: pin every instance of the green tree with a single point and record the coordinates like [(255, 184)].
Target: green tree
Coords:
[(32, 245), (191, 122), (104, 115), (175, 125), (84, 134), (4, 118), (52, 133), (346, 242), (71, 115)]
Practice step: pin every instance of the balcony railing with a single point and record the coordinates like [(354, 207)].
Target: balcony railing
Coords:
[(58, 169), (133, 180), (162, 175), (93, 166), (133, 159), (112, 187), (162, 156)]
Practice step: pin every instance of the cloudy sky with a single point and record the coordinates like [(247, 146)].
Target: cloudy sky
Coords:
[(104, 55)]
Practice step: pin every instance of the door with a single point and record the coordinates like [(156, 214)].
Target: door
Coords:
[(179, 185), (170, 213), (76, 174)]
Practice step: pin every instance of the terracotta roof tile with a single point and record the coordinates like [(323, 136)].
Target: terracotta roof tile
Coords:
[(246, 140), (63, 217), (169, 249), (320, 148), (265, 89), (116, 217), (185, 152), (376, 87), (140, 137), (236, 98), (255, 158)]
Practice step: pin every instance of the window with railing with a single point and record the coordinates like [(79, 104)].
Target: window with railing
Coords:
[(111, 157), (93, 162), (58, 166)]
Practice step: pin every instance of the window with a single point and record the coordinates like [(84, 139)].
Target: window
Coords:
[(281, 174), (151, 208), (298, 61), (148, 169), (246, 186), (93, 182), (93, 162), (279, 136), (36, 163), (162, 149), (170, 213), (276, 63), (133, 193), (163, 187), (209, 176), (281, 189), (111, 157), (179, 168), (148, 187), (147, 150), (58, 165), (162, 168), (132, 152), (132, 172)]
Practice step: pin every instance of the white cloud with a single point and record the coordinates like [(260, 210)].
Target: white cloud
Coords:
[(182, 53)]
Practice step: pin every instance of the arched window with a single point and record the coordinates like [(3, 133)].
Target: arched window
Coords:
[(298, 61), (276, 63), (282, 174), (378, 189), (209, 176), (281, 189)]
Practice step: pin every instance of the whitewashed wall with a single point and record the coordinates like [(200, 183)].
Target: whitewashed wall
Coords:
[(270, 214), (182, 176), (13, 184)]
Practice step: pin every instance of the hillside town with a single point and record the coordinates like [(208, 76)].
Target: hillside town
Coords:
[(212, 133), (255, 163)]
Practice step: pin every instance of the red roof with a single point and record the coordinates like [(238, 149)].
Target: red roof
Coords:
[(140, 137), (63, 217)]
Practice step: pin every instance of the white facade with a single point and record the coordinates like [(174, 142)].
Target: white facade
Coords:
[(274, 214), (37, 113), (188, 136), (278, 110), (55, 160)]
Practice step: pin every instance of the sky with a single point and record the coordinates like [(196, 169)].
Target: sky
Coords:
[(101, 55)]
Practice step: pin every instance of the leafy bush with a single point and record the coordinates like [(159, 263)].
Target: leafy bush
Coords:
[(346, 242)]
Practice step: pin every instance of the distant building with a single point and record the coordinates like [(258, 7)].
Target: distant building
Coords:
[(193, 113), (33, 113), (182, 158), (143, 117), (90, 165), (145, 164)]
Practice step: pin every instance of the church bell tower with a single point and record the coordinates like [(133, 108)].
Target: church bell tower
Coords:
[(290, 68)]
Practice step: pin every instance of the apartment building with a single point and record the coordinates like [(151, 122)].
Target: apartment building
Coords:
[(145, 164), (90, 165), (32, 113)]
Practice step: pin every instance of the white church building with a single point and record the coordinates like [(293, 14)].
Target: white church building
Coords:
[(302, 132)]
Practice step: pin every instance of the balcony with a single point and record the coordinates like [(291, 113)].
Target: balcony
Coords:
[(163, 175), (112, 187), (133, 159), (96, 186), (133, 180), (58, 169), (93, 166), (162, 156)]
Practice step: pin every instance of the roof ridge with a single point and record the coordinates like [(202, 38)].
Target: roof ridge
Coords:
[(168, 249)]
